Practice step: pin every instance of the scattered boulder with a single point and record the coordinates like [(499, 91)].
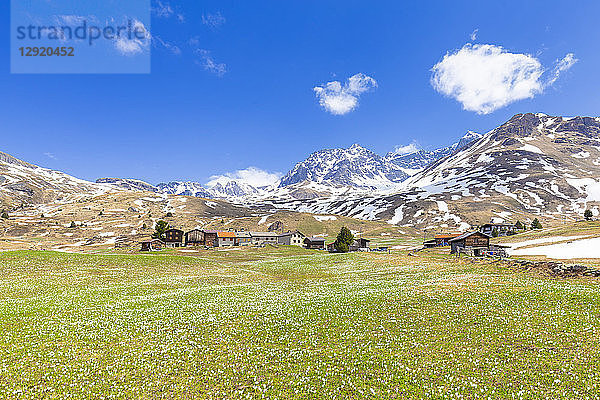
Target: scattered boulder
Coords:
[(275, 226)]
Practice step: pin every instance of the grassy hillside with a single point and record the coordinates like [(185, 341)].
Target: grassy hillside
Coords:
[(291, 323), (124, 219)]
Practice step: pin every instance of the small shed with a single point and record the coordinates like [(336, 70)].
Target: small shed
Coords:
[(429, 244), (475, 244), (174, 238), (315, 243), (152, 245)]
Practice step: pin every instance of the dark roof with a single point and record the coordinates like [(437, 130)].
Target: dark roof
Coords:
[(315, 239), (173, 230), (152, 241), (466, 235)]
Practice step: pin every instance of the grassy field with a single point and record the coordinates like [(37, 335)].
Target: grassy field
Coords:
[(291, 323)]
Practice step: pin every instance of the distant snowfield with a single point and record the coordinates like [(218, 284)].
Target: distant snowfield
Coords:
[(322, 218), (586, 248), (532, 242)]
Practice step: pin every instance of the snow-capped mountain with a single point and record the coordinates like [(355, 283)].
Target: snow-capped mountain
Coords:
[(544, 164), (128, 184), (414, 162), (354, 167), (23, 183), (533, 165), (193, 189)]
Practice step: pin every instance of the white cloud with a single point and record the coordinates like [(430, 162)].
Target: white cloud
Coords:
[(563, 65), (484, 78), (50, 155), (213, 21), (208, 63), (408, 149), (251, 175), (167, 45), (474, 34), (341, 99), (131, 47), (163, 10)]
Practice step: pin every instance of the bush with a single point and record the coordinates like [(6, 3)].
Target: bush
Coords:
[(4, 215), (536, 224), (588, 215)]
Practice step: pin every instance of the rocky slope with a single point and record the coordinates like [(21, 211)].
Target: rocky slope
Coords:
[(354, 167)]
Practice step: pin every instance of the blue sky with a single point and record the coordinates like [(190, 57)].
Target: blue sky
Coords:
[(232, 84)]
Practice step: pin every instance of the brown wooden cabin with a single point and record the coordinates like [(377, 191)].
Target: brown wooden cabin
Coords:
[(475, 244), (359, 243), (315, 243), (195, 237), (152, 245), (210, 238), (174, 238)]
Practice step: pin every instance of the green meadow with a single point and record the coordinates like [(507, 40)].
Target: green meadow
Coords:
[(291, 323)]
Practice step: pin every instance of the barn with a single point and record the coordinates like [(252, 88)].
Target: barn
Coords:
[(316, 243), (152, 245), (195, 237), (475, 244), (210, 238)]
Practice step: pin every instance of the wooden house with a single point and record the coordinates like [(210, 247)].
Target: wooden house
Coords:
[(360, 244), (195, 237), (174, 238), (152, 245), (243, 239), (264, 237), (295, 238), (315, 243), (475, 244), (502, 229), (210, 238)]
